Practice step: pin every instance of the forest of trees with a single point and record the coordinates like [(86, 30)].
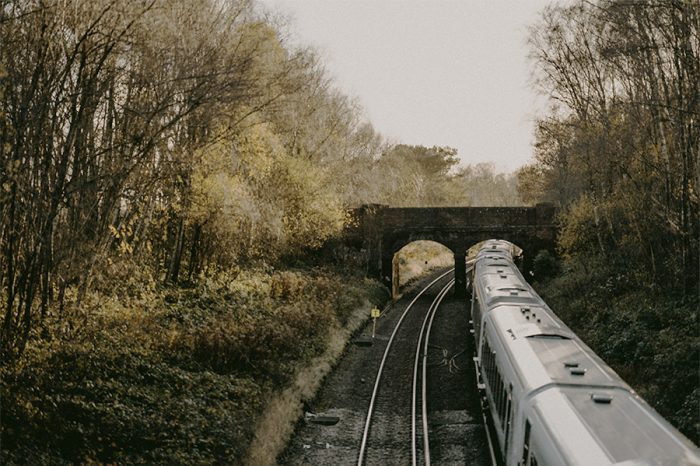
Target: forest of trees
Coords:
[(619, 151), (167, 171), (181, 138)]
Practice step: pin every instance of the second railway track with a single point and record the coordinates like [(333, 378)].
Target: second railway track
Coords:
[(391, 399)]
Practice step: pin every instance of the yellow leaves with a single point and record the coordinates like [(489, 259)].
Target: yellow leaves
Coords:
[(578, 227), (11, 172), (258, 147), (219, 191), (261, 42), (312, 211), (122, 235), (253, 199)]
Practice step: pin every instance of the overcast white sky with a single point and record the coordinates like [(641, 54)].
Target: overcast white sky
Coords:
[(431, 72)]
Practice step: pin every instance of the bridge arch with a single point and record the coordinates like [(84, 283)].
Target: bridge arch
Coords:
[(388, 229), (411, 254)]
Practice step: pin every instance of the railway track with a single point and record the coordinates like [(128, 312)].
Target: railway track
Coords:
[(425, 386), (416, 308)]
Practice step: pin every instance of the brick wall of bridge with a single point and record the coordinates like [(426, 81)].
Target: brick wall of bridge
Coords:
[(385, 230)]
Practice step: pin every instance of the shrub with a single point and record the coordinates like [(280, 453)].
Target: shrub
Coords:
[(167, 375), (544, 265)]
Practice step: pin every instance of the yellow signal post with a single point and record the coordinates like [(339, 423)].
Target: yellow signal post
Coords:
[(374, 313)]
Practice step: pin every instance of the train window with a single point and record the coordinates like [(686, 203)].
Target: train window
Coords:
[(499, 392), (497, 396), (488, 365), (504, 405), (486, 358), (526, 442)]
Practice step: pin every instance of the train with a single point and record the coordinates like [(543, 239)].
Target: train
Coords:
[(549, 400)]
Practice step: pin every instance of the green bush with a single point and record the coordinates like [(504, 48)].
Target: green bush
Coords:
[(95, 404), (544, 265)]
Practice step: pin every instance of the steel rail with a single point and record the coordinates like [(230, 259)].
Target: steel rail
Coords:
[(428, 318), (370, 410), (424, 389)]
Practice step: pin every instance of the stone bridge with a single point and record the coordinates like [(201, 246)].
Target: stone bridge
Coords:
[(386, 230)]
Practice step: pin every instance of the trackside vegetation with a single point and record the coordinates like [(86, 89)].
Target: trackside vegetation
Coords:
[(171, 175), (170, 375), (647, 335)]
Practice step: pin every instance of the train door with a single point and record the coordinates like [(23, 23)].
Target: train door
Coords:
[(508, 412), (526, 444), (528, 457)]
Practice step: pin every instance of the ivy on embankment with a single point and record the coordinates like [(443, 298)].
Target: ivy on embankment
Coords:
[(170, 376), (648, 335)]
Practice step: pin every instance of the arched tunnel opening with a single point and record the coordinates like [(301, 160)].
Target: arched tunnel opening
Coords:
[(388, 229), (415, 259), (418, 257)]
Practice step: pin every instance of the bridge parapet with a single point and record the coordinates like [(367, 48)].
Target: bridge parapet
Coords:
[(460, 217)]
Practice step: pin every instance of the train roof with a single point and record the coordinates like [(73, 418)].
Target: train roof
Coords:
[(551, 353), (501, 282), (627, 428), (566, 383), (622, 431)]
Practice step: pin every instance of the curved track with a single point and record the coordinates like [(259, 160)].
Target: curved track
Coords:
[(416, 308), (423, 340), (436, 394)]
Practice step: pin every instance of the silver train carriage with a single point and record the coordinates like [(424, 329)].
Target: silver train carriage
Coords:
[(551, 399)]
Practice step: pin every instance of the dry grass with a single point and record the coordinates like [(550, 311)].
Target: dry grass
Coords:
[(276, 424), (419, 257)]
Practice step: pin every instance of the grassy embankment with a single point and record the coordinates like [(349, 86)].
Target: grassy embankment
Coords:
[(648, 336), (145, 374)]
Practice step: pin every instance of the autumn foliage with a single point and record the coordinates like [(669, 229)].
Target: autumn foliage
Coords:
[(618, 153)]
